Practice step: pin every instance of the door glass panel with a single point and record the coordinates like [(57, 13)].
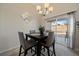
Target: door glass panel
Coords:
[(61, 29)]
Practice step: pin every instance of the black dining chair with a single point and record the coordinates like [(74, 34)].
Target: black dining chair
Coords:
[(50, 41), (25, 44)]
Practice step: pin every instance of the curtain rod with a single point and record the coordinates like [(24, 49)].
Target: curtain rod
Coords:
[(69, 12)]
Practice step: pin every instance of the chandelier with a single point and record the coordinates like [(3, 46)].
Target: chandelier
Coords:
[(46, 9)]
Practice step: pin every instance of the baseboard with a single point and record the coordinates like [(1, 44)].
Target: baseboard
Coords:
[(8, 50)]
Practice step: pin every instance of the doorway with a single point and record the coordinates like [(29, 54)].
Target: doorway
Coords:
[(61, 28)]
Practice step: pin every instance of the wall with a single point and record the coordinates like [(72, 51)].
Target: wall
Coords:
[(11, 22)]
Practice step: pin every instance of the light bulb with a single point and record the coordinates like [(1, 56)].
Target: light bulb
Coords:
[(40, 12), (38, 7), (46, 5), (50, 9)]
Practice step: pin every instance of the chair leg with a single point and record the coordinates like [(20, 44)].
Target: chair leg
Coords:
[(44, 49), (35, 49), (31, 50), (48, 52), (25, 52), (20, 50), (54, 49)]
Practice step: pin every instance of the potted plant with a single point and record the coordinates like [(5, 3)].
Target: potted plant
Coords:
[(41, 30)]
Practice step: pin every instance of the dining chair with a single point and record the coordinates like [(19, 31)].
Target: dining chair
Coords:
[(25, 44), (50, 41)]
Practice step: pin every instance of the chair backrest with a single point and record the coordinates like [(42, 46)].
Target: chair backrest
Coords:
[(51, 37), (22, 39), (32, 31)]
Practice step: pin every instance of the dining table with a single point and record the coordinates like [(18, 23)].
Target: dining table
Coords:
[(39, 39)]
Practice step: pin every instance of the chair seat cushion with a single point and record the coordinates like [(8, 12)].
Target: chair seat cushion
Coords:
[(29, 45), (48, 43)]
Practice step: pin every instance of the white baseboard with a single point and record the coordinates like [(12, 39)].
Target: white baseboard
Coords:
[(8, 50)]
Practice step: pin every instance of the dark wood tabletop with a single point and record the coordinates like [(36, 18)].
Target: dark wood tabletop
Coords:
[(36, 36)]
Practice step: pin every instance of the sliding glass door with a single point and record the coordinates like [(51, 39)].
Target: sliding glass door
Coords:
[(61, 29), (64, 29)]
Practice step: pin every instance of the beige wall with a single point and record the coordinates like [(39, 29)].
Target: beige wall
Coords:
[(77, 40), (11, 22)]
